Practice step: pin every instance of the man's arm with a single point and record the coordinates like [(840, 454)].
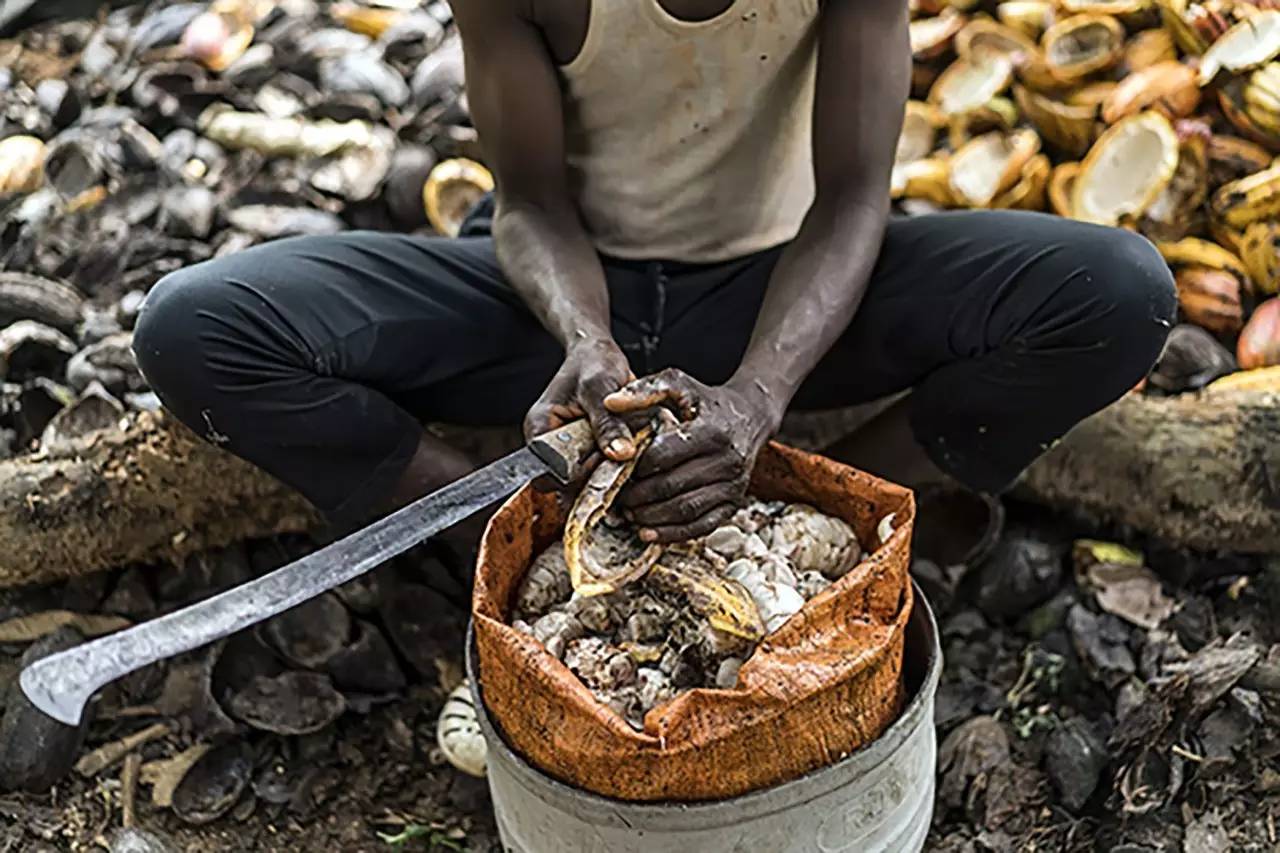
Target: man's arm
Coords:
[(863, 81), (689, 480), (543, 249)]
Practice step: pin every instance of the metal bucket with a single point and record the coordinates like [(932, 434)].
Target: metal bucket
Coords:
[(877, 800)]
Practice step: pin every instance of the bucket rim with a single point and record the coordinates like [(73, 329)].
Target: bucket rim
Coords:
[(921, 625)]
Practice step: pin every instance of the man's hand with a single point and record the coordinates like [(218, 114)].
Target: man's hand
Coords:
[(692, 477), (592, 370)]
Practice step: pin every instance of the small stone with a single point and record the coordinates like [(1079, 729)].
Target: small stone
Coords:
[(1101, 645), (1020, 574), (1075, 755), (36, 751)]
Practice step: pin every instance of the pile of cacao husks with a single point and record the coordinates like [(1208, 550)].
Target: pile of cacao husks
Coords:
[(137, 138), (163, 134), (656, 636), (326, 710), (1161, 116)]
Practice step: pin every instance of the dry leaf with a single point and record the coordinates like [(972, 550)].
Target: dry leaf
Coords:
[(1086, 553), (1131, 592), (26, 629)]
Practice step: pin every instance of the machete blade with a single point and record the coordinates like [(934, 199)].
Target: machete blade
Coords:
[(62, 684)]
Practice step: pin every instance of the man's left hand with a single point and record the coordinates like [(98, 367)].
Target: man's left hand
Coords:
[(692, 477)]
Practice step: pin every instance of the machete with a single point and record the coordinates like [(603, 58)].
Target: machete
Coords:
[(60, 685)]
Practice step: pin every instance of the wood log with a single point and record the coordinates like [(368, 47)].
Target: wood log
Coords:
[(151, 493), (1199, 471)]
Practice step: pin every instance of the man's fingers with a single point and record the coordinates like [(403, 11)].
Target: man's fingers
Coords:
[(669, 387), (612, 434), (548, 414), (673, 447), (687, 507), (697, 472), (682, 532), (537, 421)]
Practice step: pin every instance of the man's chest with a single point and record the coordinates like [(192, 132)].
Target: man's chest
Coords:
[(564, 22)]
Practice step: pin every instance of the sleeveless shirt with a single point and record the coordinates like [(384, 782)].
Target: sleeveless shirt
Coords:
[(690, 141)]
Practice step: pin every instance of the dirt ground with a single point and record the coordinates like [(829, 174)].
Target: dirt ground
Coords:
[(1040, 748), (375, 780)]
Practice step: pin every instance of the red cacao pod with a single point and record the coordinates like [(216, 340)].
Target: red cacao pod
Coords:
[(1210, 298), (1259, 344)]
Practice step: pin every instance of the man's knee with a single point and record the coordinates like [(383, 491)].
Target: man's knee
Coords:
[(1132, 290), (166, 337), (1134, 281)]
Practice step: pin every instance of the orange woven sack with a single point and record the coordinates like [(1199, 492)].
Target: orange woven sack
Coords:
[(824, 684)]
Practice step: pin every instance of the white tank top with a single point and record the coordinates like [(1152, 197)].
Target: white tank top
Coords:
[(690, 141)]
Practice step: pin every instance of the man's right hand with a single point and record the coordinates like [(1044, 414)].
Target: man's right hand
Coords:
[(592, 370)]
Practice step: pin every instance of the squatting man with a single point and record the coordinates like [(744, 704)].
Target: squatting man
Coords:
[(695, 193)]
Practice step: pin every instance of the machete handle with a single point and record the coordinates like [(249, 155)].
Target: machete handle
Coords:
[(565, 450)]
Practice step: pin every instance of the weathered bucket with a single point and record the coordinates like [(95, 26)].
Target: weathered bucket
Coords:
[(877, 800)]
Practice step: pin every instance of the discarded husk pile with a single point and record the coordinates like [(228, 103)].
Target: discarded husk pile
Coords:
[(656, 636), (165, 134), (250, 721), (1096, 697), (1159, 116)]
